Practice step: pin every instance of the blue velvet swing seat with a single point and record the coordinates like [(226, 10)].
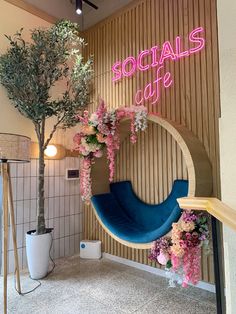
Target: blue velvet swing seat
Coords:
[(128, 218)]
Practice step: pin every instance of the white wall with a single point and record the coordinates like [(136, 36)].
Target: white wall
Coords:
[(227, 44), (13, 19), (63, 208)]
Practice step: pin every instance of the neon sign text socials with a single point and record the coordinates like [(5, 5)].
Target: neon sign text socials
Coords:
[(155, 57)]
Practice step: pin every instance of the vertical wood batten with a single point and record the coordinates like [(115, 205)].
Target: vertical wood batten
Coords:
[(193, 100)]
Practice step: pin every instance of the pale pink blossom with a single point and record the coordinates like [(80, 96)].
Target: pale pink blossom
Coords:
[(163, 258), (94, 119), (101, 130), (98, 154)]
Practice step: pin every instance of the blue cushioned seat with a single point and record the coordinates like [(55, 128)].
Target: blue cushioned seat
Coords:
[(132, 220)]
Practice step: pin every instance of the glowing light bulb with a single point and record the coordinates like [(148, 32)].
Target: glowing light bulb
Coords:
[(50, 151), (79, 6)]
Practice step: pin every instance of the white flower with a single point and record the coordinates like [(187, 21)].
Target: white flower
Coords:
[(83, 141), (140, 119), (93, 147), (94, 119)]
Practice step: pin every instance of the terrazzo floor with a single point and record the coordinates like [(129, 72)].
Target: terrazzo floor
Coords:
[(95, 287)]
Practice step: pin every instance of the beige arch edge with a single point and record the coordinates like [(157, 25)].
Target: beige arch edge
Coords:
[(196, 159)]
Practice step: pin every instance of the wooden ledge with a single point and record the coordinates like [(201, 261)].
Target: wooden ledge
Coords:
[(213, 206)]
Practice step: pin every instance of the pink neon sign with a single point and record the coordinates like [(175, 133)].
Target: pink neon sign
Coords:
[(155, 57)]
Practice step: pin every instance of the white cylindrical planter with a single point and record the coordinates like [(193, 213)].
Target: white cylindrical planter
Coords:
[(37, 251)]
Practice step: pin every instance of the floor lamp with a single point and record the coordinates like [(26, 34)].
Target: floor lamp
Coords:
[(14, 148)]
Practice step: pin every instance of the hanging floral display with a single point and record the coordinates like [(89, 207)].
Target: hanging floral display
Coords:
[(181, 253), (101, 130)]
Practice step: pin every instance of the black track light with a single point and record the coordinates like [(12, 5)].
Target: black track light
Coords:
[(79, 7)]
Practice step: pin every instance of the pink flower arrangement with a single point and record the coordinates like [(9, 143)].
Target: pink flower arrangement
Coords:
[(85, 178), (101, 130), (181, 253)]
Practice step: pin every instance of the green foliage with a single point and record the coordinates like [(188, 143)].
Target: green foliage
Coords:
[(28, 70), (169, 264), (92, 139)]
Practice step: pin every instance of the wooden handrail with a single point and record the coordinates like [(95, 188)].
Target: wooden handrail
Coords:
[(213, 206)]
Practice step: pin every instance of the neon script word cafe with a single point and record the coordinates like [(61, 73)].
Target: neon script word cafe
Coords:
[(154, 58)]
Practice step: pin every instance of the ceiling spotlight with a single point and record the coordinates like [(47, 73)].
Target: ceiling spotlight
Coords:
[(79, 7), (79, 4)]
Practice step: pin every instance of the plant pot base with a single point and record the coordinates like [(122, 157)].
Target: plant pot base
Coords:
[(37, 251)]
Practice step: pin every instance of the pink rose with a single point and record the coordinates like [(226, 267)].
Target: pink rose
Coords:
[(98, 153), (188, 236), (83, 150), (163, 258), (77, 139), (184, 284)]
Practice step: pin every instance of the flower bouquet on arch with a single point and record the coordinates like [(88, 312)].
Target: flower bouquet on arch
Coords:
[(100, 130)]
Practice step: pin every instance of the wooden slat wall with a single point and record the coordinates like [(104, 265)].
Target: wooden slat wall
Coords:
[(193, 100)]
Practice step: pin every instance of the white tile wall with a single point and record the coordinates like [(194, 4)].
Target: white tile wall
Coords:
[(63, 207)]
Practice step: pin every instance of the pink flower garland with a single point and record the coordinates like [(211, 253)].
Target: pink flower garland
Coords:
[(100, 130), (85, 178), (176, 262), (183, 248), (112, 143), (191, 266)]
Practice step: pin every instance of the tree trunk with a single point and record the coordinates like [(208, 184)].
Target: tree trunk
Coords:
[(40, 214), (41, 229)]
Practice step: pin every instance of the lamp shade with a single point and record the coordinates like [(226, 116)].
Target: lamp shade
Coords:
[(14, 148)]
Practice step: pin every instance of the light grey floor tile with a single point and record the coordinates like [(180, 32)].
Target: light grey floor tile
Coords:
[(157, 280), (172, 303), (104, 287), (125, 292), (81, 304), (197, 294)]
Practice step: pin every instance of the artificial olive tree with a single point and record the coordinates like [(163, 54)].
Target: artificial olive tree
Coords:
[(29, 70)]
